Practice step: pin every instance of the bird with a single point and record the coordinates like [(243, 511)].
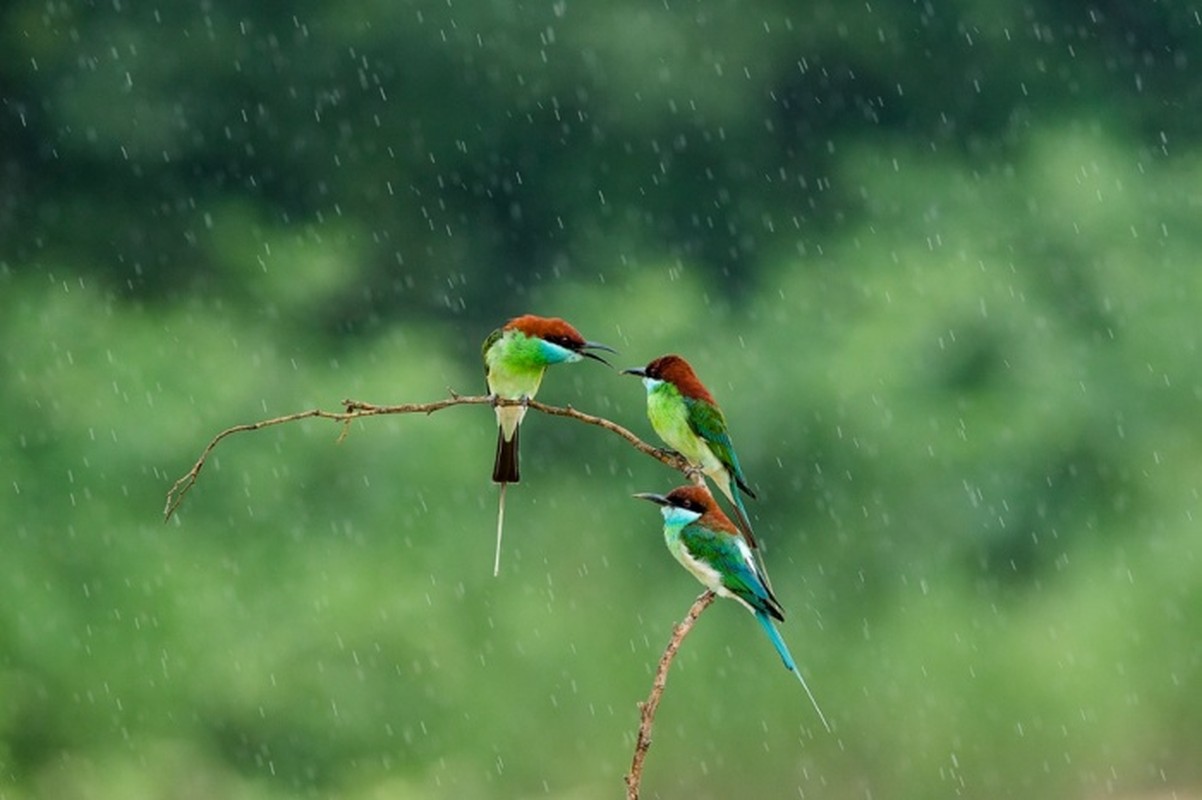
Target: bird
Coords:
[(706, 543), (685, 415), (516, 356)]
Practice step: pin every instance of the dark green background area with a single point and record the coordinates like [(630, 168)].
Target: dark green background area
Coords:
[(938, 262)]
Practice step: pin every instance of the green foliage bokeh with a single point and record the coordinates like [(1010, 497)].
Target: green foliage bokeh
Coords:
[(937, 264)]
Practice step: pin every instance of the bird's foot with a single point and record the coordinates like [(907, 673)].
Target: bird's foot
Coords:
[(495, 400)]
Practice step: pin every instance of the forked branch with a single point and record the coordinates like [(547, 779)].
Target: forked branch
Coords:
[(354, 409)]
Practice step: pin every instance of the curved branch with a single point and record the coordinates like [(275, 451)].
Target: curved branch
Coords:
[(647, 710), (668, 457), (355, 409)]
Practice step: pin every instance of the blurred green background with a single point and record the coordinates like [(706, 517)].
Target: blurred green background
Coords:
[(938, 262)]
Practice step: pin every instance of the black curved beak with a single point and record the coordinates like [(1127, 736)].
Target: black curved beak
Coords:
[(641, 372), (596, 346), (658, 499)]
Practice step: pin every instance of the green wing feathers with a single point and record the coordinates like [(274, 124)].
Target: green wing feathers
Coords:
[(708, 422), (490, 341), (721, 552)]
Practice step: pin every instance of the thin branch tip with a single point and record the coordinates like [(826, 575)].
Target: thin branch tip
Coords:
[(648, 708)]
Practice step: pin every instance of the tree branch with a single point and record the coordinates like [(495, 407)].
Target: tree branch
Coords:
[(355, 409), (647, 710)]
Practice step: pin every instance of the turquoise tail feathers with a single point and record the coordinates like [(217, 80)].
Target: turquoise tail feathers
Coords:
[(777, 642), (787, 657)]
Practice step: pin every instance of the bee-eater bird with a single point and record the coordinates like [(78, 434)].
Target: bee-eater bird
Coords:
[(686, 416), (516, 356), (707, 544)]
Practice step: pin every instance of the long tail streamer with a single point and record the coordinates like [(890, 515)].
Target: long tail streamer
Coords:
[(496, 564), (790, 664)]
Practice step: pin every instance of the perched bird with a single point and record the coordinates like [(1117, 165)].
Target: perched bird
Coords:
[(707, 544), (515, 357), (686, 416)]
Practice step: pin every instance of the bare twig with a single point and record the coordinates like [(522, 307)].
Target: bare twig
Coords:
[(669, 457), (647, 710), (355, 409)]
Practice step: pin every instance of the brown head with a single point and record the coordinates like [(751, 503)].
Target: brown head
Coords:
[(696, 498), (676, 371), (557, 331), (553, 329)]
